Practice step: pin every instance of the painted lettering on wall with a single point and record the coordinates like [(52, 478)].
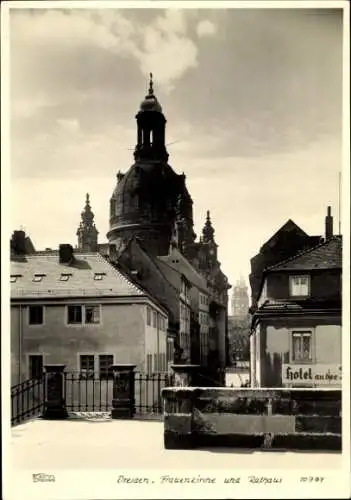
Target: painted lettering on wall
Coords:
[(319, 374)]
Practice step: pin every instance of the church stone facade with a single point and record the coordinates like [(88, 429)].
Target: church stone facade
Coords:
[(151, 213)]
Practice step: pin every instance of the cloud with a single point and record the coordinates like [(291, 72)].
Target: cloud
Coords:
[(161, 45), (206, 28), (69, 125)]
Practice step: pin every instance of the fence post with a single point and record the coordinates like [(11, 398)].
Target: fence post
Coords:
[(185, 375), (55, 403), (123, 402)]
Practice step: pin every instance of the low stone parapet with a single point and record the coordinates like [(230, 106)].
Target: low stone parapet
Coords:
[(252, 418)]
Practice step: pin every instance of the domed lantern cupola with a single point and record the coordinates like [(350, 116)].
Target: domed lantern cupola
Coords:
[(151, 124)]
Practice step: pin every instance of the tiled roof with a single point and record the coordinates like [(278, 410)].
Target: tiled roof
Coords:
[(326, 255), (81, 281)]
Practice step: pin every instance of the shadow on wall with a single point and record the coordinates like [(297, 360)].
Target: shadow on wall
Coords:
[(273, 367)]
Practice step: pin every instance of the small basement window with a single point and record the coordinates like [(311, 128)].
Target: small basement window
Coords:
[(38, 277)]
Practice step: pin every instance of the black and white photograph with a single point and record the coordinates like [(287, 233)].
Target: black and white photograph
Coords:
[(175, 226)]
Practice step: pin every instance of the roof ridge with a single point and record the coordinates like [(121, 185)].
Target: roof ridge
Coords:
[(120, 274), (302, 252)]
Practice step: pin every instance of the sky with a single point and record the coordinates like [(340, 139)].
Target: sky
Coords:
[(252, 97)]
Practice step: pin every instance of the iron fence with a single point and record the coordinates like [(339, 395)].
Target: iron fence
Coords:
[(88, 392), (148, 387), (27, 400)]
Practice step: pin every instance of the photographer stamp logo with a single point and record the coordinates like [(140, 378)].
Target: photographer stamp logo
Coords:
[(43, 478)]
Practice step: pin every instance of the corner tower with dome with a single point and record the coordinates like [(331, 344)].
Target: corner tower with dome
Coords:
[(146, 197)]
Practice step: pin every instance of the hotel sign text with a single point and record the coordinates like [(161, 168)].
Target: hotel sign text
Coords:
[(320, 375)]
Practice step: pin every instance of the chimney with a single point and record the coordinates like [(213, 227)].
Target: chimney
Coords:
[(66, 254), (328, 225), (18, 242)]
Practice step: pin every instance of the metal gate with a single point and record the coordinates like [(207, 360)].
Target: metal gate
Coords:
[(148, 399), (27, 400), (88, 392)]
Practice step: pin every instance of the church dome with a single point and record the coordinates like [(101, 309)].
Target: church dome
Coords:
[(150, 103)]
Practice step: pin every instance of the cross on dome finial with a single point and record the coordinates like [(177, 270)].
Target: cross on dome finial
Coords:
[(151, 85), (87, 199)]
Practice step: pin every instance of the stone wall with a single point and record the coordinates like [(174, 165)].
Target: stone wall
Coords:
[(252, 418)]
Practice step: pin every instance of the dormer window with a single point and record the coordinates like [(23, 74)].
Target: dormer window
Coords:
[(300, 286), (38, 277), (14, 277), (65, 277), (99, 276)]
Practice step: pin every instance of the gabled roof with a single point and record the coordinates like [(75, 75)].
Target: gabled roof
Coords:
[(288, 226), (326, 255), (81, 281)]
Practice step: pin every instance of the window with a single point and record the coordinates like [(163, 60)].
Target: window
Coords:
[(75, 315), (38, 277), (154, 319), (87, 365), (14, 277), (149, 364), (36, 315), (105, 366), (92, 314), (36, 366), (299, 286), (163, 362), (99, 276), (156, 363), (169, 350), (148, 316), (65, 277), (302, 346)]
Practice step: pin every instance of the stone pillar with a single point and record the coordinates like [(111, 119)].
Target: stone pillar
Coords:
[(186, 375), (55, 403), (123, 402), (179, 418)]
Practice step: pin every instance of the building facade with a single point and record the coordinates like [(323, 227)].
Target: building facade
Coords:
[(76, 309), (296, 335)]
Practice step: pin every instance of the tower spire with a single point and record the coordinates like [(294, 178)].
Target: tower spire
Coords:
[(208, 231), (87, 232), (151, 85)]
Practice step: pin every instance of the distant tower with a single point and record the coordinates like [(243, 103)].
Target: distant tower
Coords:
[(87, 232), (240, 300)]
